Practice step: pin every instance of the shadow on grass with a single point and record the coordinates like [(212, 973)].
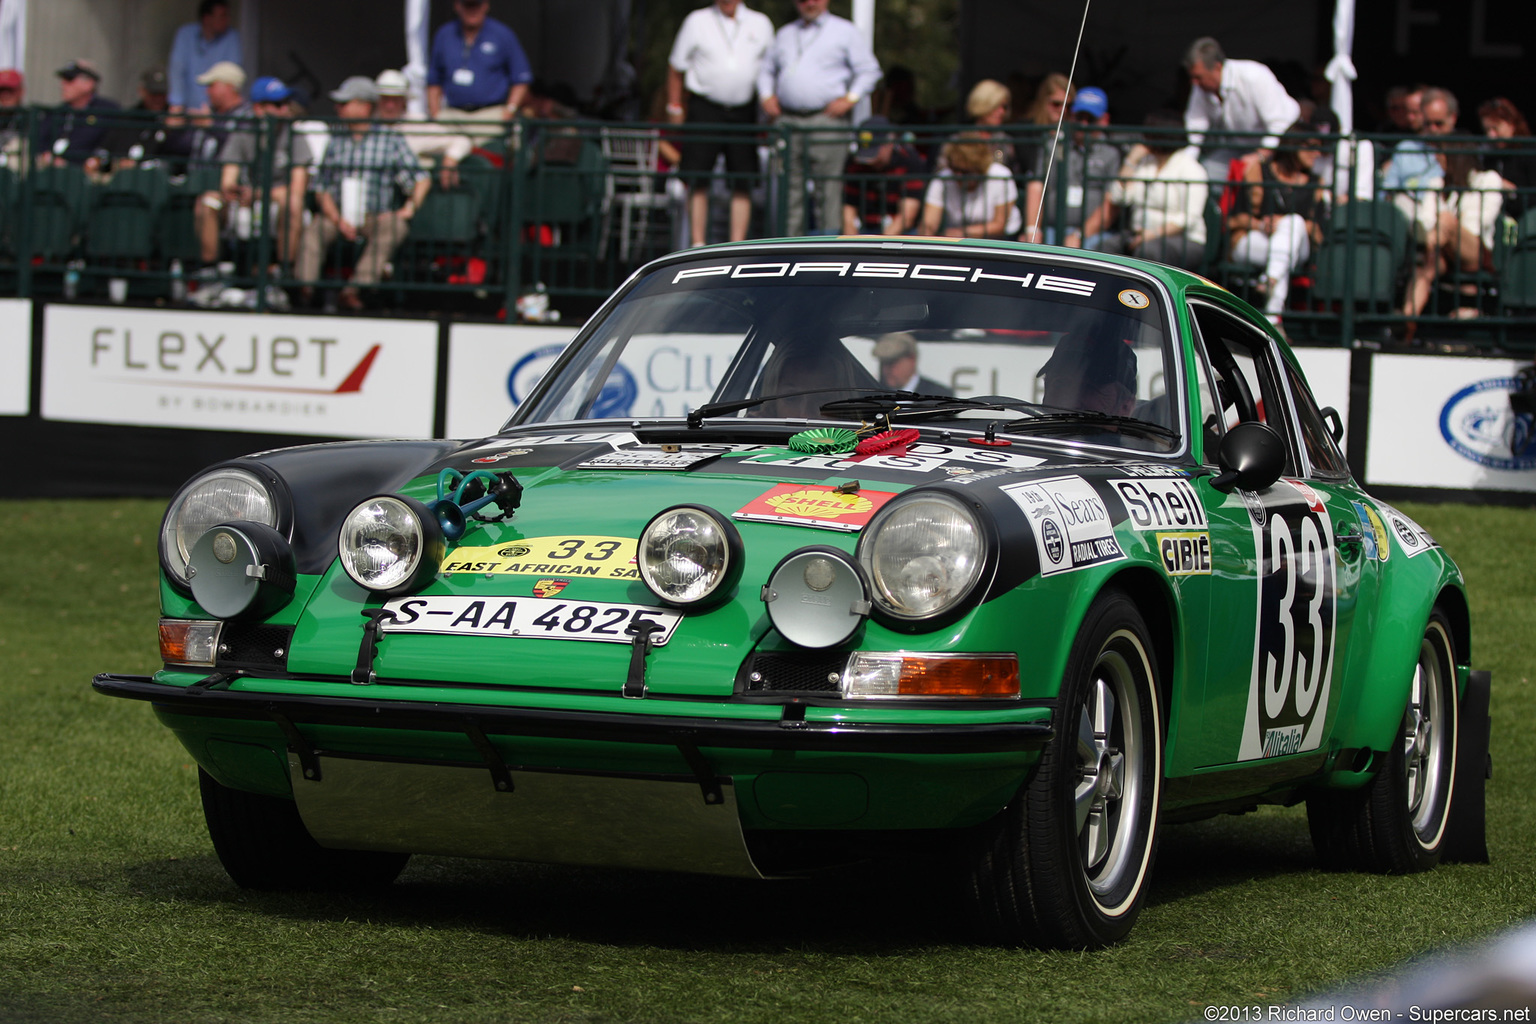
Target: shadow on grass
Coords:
[(876, 909)]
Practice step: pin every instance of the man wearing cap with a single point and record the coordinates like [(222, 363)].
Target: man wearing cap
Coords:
[(883, 182), (225, 85), (13, 92), (477, 69), (816, 71), (198, 46), (73, 132), (1084, 171), (148, 137), (1096, 373), (898, 366), (429, 141), (238, 186), (715, 60), (362, 170)]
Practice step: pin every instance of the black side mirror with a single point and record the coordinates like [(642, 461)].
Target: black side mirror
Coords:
[(1335, 423), (1252, 457)]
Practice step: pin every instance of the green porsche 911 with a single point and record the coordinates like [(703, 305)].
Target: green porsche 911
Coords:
[(1014, 552)]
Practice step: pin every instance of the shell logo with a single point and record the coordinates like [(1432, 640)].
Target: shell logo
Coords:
[(820, 504)]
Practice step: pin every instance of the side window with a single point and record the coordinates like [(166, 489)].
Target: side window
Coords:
[(1245, 379), (1322, 451)]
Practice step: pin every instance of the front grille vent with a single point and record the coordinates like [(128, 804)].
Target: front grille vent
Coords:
[(793, 672), (254, 646)]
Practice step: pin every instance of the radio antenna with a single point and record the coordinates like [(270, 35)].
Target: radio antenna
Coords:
[(1050, 160)]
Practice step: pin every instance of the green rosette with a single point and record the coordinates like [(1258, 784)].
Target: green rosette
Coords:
[(824, 441)]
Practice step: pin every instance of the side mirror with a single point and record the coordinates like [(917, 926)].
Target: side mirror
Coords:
[(1335, 423), (1252, 457)]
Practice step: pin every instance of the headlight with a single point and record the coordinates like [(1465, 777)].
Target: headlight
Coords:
[(223, 496), (689, 554), (391, 544), (923, 556)]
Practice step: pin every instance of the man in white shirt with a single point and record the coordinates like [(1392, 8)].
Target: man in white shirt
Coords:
[(715, 59), (817, 69), (1233, 96)]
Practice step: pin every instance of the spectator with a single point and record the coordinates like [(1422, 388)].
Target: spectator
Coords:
[(13, 93), (897, 354), (1165, 188), (73, 132), (225, 85), (816, 71), (355, 191), (477, 70), (1085, 171), (973, 196), (1277, 216), (1046, 111), (1233, 96), (882, 183), (151, 137), (716, 58), (430, 142), (1513, 155), (238, 187), (198, 46), (988, 106), (1397, 120), (1414, 175)]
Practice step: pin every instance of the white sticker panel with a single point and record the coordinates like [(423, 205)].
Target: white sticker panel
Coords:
[(15, 356), (1070, 523), (1168, 503)]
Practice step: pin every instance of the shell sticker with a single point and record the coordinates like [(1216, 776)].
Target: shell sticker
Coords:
[(815, 506)]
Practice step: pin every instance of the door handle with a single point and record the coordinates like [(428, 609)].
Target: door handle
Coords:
[(1349, 537)]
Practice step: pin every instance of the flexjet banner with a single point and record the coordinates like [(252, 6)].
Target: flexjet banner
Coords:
[(333, 377)]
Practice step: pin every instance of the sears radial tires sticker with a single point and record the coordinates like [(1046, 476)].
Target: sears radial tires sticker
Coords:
[(1070, 522), (1294, 635)]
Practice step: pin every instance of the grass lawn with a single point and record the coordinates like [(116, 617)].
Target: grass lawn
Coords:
[(113, 907)]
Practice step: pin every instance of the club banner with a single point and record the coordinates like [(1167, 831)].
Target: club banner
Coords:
[(15, 356), (1440, 421), (328, 376)]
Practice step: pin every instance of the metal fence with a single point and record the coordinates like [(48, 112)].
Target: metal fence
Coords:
[(136, 209)]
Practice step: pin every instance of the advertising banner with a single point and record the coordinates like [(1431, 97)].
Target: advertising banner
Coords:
[(1440, 421), (15, 356), (491, 368), (332, 377), (1327, 372)]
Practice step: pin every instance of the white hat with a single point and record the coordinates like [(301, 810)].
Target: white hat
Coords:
[(226, 71), (392, 83)]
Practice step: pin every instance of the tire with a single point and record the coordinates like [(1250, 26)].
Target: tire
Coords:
[(263, 844), (1067, 863), (1396, 823)]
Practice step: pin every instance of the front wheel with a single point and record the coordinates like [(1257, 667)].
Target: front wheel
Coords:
[(1067, 863), (263, 844), (1396, 823)]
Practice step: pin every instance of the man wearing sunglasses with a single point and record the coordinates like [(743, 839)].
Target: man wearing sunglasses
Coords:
[(816, 71)]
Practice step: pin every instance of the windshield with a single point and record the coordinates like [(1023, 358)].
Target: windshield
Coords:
[(1052, 350)]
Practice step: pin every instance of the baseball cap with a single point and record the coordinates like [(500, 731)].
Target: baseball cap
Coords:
[(1097, 360), (894, 346), (356, 87), (267, 89), (1091, 100), (874, 132), (10, 78), (154, 81), (392, 83), (226, 71), (77, 67)]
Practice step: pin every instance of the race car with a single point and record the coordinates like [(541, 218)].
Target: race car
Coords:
[(983, 555)]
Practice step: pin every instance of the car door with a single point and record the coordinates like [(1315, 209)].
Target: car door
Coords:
[(1285, 564)]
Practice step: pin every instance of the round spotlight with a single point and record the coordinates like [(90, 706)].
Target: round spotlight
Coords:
[(690, 555), (391, 544)]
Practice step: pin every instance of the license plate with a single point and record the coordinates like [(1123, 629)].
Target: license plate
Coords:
[(525, 617)]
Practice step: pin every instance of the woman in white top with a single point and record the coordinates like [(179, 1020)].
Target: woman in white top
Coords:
[(974, 196), (1165, 187)]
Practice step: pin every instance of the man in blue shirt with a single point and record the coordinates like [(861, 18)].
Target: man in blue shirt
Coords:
[(199, 45), (477, 69), (817, 69)]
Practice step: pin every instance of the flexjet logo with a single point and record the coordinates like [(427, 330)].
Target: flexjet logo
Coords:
[(276, 363), (946, 272)]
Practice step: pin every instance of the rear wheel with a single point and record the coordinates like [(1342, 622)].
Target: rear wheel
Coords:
[(1397, 822), (263, 844), (1067, 863)]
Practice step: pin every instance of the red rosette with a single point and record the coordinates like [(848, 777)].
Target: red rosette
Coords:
[(886, 440)]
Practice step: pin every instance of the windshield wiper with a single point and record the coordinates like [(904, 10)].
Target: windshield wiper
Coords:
[(910, 403), (710, 410), (1123, 424)]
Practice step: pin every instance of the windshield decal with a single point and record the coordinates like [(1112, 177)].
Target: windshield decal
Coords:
[(953, 273)]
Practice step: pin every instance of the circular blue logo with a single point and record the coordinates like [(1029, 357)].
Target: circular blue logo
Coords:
[(615, 400), (1479, 425)]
